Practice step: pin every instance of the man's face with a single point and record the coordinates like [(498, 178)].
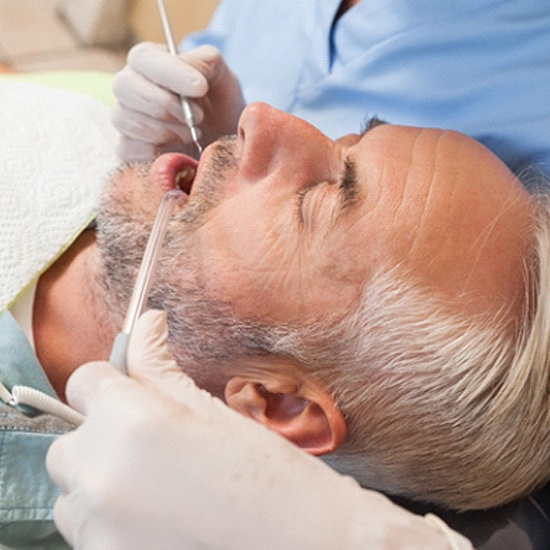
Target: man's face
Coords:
[(285, 226)]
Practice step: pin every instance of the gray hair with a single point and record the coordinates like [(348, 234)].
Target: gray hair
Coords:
[(440, 407)]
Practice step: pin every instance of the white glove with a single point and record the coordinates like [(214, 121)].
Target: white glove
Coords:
[(148, 112), (159, 463)]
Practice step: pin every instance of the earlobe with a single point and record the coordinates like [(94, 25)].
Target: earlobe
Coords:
[(305, 414)]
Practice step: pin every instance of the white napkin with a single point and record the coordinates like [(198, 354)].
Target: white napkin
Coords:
[(56, 149)]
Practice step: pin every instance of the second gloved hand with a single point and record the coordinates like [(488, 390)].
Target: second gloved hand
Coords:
[(148, 112), (159, 463)]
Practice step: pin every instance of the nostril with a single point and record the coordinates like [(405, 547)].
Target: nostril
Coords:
[(240, 141)]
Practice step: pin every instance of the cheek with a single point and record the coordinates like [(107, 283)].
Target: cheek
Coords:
[(263, 268), (252, 260), (130, 192)]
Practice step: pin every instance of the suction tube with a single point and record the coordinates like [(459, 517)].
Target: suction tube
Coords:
[(144, 278)]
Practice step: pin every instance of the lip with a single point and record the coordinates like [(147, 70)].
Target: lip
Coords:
[(165, 169)]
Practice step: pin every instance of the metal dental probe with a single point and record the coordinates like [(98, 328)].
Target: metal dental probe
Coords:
[(144, 278), (187, 112)]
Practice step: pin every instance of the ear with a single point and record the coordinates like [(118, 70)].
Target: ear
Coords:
[(305, 414)]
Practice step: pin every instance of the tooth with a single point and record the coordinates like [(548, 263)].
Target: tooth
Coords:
[(185, 177)]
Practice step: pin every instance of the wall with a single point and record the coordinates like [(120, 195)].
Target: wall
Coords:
[(185, 16)]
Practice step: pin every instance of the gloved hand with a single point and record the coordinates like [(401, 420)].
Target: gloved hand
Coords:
[(159, 463), (148, 112)]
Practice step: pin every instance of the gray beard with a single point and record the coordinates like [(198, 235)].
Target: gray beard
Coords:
[(204, 336)]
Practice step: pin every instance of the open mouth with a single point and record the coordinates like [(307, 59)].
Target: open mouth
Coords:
[(185, 179), (174, 171)]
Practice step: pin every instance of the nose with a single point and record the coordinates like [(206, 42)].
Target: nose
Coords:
[(270, 140)]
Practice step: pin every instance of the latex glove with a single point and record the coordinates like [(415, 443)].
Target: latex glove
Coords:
[(148, 112), (159, 463)]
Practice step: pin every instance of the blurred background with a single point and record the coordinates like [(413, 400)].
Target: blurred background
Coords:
[(38, 35)]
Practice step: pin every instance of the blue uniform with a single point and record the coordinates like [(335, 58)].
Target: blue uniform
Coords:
[(478, 66)]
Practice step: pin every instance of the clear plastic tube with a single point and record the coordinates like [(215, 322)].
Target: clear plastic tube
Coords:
[(144, 278), (35, 398)]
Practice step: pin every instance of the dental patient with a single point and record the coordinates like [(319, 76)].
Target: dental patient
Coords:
[(379, 301)]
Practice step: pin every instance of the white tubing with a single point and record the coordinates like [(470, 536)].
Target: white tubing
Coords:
[(23, 395)]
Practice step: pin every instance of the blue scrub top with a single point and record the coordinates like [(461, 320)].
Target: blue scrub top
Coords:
[(478, 66)]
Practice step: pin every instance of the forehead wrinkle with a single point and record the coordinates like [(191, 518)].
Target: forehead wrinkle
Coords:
[(409, 193), (436, 191), (484, 236), (380, 206)]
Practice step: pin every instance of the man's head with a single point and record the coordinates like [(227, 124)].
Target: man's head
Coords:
[(362, 297)]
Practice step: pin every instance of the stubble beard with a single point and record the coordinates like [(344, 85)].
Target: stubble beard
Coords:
[(203, 332)]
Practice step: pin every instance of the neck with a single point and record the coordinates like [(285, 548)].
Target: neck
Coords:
[(347, 4), (70, 325)]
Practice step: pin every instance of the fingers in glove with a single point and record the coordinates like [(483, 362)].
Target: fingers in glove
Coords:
[(171, 72), (208, 61), (57, 463), (62, 514), (136, 125), (87, 384), (134, 92), (137, 93), (75, 516), (151, 363)]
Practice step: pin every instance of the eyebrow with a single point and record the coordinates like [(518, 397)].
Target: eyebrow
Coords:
[(349, 186), (371, 122), (348, 189)]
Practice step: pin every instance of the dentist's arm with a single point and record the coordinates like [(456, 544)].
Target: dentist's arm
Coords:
[(148, 112), (159, 463)]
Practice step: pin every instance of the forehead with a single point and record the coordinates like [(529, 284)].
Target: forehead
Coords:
[(442, 206), (419, 169), (387, 145)]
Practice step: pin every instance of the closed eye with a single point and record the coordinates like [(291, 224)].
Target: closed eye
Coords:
[(301, 197), (348, 190)]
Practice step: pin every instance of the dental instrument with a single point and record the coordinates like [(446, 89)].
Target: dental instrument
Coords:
[(171, 44), (144, 278)]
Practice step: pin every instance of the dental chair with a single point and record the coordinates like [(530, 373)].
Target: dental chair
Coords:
[(524, 525)]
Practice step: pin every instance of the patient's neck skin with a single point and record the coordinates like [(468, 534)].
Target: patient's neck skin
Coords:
[(69, 328)]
